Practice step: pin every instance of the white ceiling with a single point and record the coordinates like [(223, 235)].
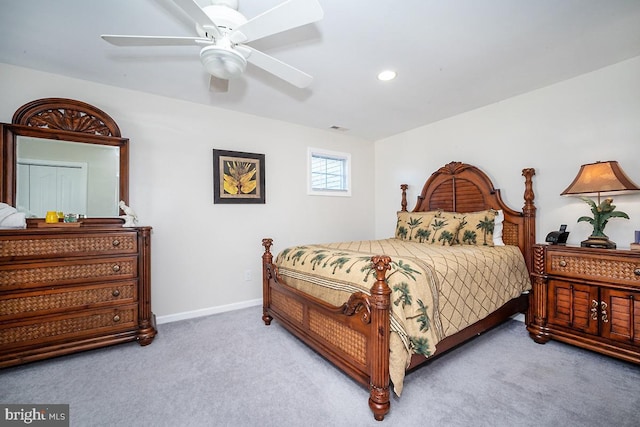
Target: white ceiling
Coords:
[(451, 55)]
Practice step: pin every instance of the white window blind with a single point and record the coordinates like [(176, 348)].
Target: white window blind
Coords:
[(329, 173)]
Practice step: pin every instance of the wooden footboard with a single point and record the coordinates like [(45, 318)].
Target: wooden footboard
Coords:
[(354, 336)]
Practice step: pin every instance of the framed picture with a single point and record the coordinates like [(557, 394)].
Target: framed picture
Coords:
[(238, 177)]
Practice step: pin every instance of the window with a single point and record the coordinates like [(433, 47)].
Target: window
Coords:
[(329, 173)]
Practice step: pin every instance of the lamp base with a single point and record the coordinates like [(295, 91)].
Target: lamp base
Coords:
[(598, 242)]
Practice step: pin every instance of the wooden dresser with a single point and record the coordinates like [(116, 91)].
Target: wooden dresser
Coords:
[(64, 290), (587, 297)]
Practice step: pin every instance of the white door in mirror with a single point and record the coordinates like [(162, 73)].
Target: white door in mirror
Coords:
[(51, 187)]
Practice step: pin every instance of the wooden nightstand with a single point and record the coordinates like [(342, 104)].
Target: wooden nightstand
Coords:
[(587, 297)]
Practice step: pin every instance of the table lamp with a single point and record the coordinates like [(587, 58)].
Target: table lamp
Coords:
[(597, 179)]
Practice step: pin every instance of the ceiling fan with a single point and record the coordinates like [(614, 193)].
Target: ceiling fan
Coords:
[(223, 33)]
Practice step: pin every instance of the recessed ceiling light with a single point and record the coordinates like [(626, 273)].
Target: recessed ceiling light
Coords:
[(387, 75)]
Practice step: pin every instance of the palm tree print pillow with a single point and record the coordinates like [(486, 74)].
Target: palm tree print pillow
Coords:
[(447, 228), (414, 226), (453, 228)]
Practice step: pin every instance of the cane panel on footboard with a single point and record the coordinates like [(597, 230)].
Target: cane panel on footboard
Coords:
[(342, 336)]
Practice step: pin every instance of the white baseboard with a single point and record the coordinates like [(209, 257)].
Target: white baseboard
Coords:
[(207, 311)]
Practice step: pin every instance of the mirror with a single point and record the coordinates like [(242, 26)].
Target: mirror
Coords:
[(69, 177), (63, 155)]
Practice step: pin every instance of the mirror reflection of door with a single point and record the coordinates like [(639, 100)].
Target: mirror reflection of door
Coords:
[(51, 186), (102, 163)]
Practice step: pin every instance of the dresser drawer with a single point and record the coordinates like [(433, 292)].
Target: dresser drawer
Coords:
[(51, 273), (67, 244), (60, 299), (72, 325), (608, 269)]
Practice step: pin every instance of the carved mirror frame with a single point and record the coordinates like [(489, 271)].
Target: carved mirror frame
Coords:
[(59, 119)]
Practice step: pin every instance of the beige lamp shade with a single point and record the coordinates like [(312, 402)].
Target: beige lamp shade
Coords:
[(600, 177)]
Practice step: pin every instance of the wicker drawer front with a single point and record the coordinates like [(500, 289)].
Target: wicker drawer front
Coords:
[(48, 301), (24, 276), (60, 245), (73, 325), (582, 266)]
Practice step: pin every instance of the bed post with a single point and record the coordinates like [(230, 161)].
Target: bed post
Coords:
[(267, 259), (379, 339), (529, 212), (403, 204)]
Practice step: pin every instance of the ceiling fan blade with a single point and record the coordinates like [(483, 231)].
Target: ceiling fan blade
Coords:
[(154, 40), (278, 68), (218, 85), (199, 16), (285, 16)]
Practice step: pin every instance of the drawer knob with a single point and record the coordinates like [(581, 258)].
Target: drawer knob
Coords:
[(116, 293), (115, 243), (116, 318), (563, 263), (115, 268), (637, 271)]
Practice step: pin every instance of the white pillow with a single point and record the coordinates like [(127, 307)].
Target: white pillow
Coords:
[(497, 229)]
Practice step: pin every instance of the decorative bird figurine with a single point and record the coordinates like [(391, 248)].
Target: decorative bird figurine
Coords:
[(130, 217)]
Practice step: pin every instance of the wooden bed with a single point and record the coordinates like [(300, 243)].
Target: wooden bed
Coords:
[(355, 336)]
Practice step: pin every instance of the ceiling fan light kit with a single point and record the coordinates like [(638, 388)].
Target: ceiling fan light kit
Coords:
[(222, 62), (223, 31)]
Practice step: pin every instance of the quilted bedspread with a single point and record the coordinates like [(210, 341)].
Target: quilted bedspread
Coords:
[(436, 290)]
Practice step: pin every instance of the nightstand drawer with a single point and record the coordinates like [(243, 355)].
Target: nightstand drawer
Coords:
[(64, 299), (613, 269)]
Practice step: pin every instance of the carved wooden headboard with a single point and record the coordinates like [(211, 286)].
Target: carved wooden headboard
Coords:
[(460, 187)]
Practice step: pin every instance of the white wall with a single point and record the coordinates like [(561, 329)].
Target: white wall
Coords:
[(201, 251), (555, 129)]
